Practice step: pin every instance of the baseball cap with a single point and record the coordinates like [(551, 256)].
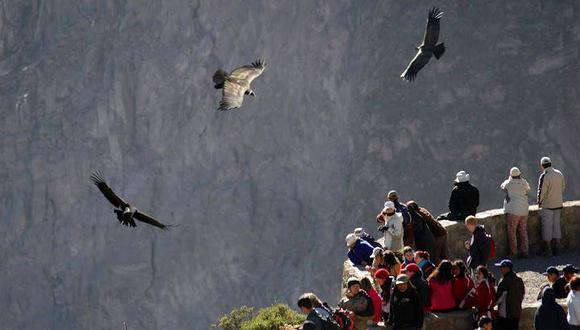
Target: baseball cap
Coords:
[(569, 268), (382, 273), (376, 251), (505, 263), (514, 171), (412, 268), (552, 270), (392, 194), (402, 279), (545, 160)]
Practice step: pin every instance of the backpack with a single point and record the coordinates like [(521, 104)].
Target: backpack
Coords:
[(492, 251), (340, 317)]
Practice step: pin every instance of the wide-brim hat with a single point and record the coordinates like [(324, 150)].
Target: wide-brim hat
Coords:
[(461, 176)]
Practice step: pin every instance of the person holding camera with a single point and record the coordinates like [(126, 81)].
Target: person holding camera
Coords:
[(392, 226)]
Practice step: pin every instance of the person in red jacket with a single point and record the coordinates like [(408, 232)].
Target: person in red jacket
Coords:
[(482, 297), (441, 288), (368, 287), (462, 283)]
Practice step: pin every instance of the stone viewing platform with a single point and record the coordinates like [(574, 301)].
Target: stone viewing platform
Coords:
[(530, 269), (495, 224)]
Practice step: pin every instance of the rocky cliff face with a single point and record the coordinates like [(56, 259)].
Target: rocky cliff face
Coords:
[(263, 195)]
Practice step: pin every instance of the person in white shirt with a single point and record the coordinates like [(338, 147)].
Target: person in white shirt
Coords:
[(573, 302), (392, 226), (516, 208)]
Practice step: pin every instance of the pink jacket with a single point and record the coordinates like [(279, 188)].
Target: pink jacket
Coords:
[(441, 295)]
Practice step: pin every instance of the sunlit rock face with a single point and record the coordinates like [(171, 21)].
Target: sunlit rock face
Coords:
[(264, 194)]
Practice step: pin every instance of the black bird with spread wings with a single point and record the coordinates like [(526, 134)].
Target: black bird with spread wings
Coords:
[(126, 214), (428, 48), (237, 84)]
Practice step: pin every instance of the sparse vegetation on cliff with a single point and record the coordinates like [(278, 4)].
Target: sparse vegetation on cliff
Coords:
[(274, 317)]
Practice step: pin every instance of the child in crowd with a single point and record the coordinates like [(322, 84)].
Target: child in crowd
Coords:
[(462, 283), (479, 246), (441, 288), (408, 255), (422, 259)]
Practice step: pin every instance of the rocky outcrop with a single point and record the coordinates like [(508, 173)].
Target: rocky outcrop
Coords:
[(264, 194)]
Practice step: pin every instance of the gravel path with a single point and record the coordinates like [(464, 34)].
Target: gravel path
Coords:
[(531, 269)]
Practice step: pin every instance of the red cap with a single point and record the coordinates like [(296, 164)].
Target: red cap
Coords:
[(382, 273), (412, 268), (401, 268)]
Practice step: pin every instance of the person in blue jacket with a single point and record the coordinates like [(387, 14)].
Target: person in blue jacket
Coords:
[(360, 251)]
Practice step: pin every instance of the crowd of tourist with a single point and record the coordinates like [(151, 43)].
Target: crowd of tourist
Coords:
[(410, 274)]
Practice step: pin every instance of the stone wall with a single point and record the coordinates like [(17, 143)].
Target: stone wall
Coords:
[(495, 223)]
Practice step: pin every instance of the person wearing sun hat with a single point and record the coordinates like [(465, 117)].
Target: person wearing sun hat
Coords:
[(464, 199), (406, 311), (551, 187), (392, 226), (510, 295), (516, 208), (359, 251)]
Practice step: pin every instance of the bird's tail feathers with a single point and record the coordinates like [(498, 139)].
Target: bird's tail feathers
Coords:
[(219, 78), (439, 50), (97, 177)]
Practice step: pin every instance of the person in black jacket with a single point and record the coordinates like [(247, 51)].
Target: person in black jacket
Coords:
[(406, 311), (479, 246), (464, 199), (416, 278), (550, 315)]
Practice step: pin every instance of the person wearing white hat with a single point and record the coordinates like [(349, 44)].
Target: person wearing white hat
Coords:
[(464, 199), (551, 187), (359, 250), (392, 226), (516, 208)]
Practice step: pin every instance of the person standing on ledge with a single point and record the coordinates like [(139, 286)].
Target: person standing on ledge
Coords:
[(551, 186), (516, 208), (464, 199), (408, 237), (391, 224)]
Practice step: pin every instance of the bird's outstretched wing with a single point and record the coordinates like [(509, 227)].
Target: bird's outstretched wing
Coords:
[(432, 29), (249, 72), (416, 64), (232, 96), (98, 180), (148, 219)]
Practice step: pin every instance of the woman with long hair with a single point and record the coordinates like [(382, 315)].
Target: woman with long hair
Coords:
[(482, 296), (441, 288), (392, 262), (462, 283)]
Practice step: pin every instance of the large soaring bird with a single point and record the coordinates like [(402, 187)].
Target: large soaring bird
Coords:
[(237, 84), (428, 48), (126, 214)]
